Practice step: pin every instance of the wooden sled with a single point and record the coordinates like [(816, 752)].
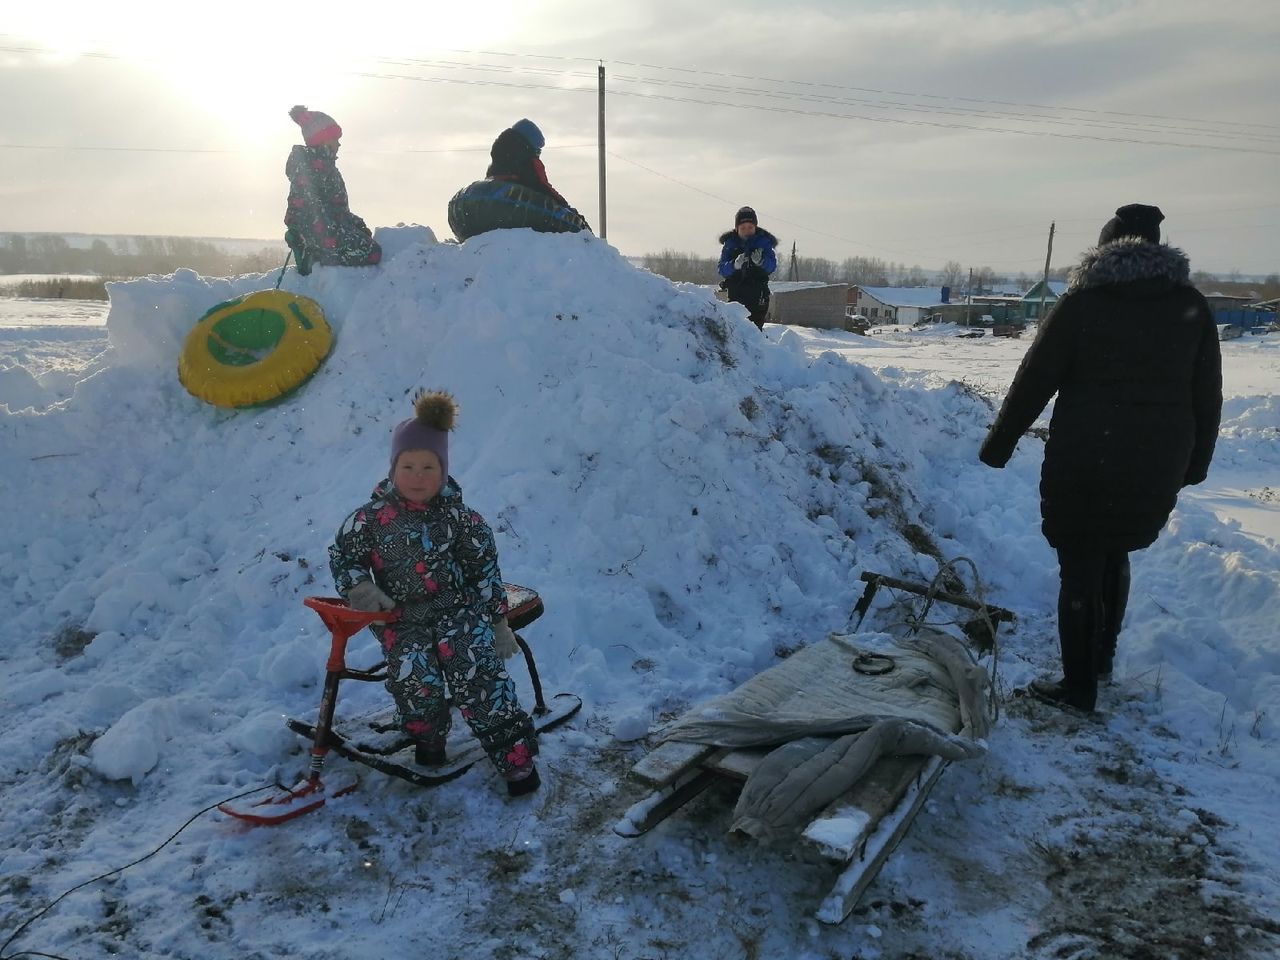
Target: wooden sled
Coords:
[(857, 832)]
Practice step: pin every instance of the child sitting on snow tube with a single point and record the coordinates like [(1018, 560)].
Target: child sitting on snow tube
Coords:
[(321, 227), (515, 191), (516, 157), (418, 547)]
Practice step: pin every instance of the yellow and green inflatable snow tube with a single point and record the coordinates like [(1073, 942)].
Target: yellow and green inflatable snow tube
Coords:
[(254, 349)]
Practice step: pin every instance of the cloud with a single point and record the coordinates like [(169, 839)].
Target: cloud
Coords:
[(893, 128)]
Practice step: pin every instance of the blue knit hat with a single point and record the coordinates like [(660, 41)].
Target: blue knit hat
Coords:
[(529, 130)]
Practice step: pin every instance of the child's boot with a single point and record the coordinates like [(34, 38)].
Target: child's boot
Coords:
[(429, 753), (521, 782)]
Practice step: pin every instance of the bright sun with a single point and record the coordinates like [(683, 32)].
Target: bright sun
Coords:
[(248, 62)]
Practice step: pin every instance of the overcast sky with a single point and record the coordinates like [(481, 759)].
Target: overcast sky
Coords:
[(916, 132)]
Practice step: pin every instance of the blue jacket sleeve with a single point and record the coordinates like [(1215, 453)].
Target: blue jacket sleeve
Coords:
[(769, 262), (726, 258)]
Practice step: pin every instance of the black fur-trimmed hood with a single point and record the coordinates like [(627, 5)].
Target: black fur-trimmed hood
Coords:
[(760, 232), (1127, 260)]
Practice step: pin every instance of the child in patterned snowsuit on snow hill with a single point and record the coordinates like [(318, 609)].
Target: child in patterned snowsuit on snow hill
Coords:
[(418, 547), (321, 227)]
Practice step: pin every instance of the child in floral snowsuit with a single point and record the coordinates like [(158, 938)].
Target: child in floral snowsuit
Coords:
[(321, 227), (418, 547)]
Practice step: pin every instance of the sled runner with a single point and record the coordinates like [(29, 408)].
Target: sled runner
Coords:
[(373, 739), (858, 829), (377, 742)]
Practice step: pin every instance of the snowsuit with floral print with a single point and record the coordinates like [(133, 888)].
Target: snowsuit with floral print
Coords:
[(438, 561), (322, 228)]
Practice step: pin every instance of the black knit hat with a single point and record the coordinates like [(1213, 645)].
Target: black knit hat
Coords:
[(745, 215), (1133, 220)]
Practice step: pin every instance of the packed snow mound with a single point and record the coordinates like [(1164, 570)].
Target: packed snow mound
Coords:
[(690, 498), (693, 500), (687, 497), (19, 389)]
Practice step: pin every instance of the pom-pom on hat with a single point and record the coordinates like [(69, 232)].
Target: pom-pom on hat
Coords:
[(529, 130), (434, 413), (317, 128), (745, 215), (1133, 220)]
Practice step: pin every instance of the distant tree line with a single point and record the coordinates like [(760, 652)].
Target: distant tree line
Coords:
[(874, 272), (55, 288), (864, 271), (129, 256)]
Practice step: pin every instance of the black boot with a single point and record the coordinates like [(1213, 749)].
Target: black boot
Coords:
[(1115, 598), (1061, 694), (427, 753), (525, 785), (1079, 621)]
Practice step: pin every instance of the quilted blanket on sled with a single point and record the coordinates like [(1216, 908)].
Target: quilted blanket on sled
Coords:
[(832, 709)]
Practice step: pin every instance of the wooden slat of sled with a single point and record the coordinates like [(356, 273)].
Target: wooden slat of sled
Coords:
[(738, 764), (886, 813), (861, 829), (665, 763), (653, 809), (841, 829)]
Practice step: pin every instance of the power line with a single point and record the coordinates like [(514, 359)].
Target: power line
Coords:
[(122, 149), (832, 115), (790, 223), (779, 109), (946, 126), (934, 96), (879, 105), (966, 112), (819, 98), (875, 90)]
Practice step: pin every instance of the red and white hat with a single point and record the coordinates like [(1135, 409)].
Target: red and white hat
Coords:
[(317, 128)]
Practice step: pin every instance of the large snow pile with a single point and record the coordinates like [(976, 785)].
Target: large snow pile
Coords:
[(690, 498), (680, 491)]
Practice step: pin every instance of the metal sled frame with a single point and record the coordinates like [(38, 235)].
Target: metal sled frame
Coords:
[(858, 832), (343, 623)]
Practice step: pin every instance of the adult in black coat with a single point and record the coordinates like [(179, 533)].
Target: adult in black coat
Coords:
[(1131, 350)]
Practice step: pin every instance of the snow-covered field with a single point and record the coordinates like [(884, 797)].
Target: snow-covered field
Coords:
[(1241, 487), (46, 346), (690, 499)]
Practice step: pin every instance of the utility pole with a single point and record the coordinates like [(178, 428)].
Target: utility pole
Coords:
[(604, 222), (968, 300), (793, 272), (1044, 287)]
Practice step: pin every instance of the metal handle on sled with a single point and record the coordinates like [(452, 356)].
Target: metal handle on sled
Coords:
[(875, 580), (539, 704)]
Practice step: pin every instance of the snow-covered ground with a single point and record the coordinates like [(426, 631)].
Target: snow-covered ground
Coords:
[(691, 499), (1241, 487), (46, 346)]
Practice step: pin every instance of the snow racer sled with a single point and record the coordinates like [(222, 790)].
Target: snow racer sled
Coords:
[(374, 739)]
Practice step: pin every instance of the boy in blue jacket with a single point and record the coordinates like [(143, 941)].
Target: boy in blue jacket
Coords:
[(746, 261)]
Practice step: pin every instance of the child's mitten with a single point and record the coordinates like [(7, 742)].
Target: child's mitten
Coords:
[(367, 595), (504, 641)]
